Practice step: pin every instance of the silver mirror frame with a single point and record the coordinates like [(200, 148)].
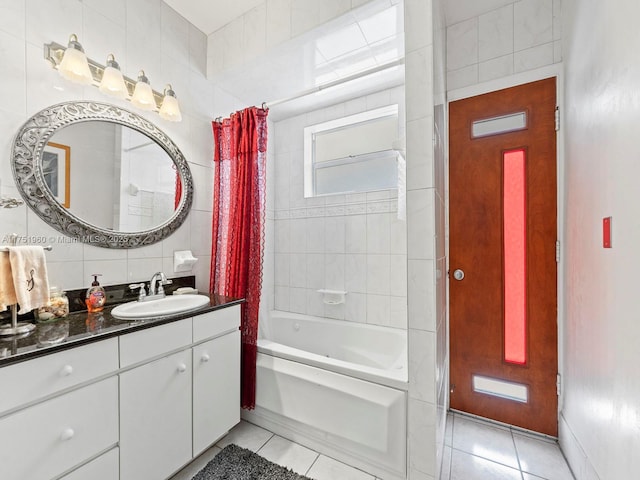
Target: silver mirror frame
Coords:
[(27, 152)]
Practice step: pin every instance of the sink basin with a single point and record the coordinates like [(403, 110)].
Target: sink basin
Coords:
[(162, 307)]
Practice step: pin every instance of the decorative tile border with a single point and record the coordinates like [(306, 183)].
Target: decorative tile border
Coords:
[(360, 208)]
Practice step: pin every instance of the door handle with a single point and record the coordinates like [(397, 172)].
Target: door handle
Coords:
[(458, 274)]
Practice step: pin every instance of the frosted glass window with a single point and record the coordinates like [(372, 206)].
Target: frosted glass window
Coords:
[(497, 125), (376, 171), (372, 136), (501, 388), (515, 256), (352, 154)]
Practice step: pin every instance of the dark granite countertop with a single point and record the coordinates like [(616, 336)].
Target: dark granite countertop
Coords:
[(81, 327)]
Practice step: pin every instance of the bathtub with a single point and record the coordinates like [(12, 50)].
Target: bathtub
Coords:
[(337, 387)]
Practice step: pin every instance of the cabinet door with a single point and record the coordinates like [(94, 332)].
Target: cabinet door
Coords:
[(155, 418), (216, 389)]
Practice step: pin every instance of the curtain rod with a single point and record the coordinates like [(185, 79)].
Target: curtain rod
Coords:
[(335, 83)]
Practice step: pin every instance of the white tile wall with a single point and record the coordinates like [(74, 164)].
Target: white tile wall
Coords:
[(142, 34), (495, 34), (428, 351), (517, 37), (341, 242)]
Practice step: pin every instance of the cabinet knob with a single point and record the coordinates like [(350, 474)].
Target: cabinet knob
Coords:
[(67, 434), (205, 357), (66, 371), (182, 368)]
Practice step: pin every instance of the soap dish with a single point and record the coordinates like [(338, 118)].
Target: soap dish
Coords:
[(333, 297), (185, 291)]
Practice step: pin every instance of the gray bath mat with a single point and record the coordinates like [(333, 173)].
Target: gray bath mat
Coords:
[(236, 463)]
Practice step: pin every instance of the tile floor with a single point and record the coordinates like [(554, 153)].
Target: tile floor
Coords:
[(474, 450), (478, 450), (279, 450)]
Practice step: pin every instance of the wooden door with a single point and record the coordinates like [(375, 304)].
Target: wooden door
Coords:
[(503, 270)]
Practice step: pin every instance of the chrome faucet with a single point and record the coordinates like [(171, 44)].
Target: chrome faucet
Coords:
[(158, 290)]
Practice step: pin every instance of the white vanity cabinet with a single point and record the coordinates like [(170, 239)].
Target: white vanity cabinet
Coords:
[(179, 392), (155, 401), (216, 376), (133, 407)]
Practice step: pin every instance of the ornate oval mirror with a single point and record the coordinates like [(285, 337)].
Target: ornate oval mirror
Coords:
[(102, 175)]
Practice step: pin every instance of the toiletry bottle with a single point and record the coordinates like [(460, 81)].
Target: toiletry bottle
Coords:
[(96, 297)]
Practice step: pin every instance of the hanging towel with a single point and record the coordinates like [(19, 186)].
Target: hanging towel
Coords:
[(7, 291), (30, 280)]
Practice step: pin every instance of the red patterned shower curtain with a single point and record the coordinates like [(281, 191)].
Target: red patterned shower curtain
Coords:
[(240, 152)]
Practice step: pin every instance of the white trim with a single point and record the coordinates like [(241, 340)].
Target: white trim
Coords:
[(577, 459), (310, 131), (561, 201), (554, 70)]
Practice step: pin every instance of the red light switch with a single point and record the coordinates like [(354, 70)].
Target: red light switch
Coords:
[(606, 232)]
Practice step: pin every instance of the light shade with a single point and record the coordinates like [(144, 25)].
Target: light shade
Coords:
[(74, 65), (170, 109), (143, 94), (112, 82)]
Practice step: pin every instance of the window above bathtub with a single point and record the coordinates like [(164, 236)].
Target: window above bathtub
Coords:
[(352, 154)]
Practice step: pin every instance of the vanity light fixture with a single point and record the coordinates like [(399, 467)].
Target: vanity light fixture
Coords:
[(170, 110), (74, 65), (112, 82), (142, 94), (71, 61)]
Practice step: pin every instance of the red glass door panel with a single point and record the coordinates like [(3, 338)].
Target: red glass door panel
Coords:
[(514, 220)]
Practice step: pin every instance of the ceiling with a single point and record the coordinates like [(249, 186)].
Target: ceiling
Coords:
[(366, 39), (210, 15)]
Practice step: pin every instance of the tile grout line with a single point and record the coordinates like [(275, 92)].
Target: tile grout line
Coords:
[(484, 424), (486, 459), (453, 420), (266, 441), (488, 425), (515, 447), (306, 474)]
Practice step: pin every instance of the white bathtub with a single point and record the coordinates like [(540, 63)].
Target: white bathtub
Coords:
[(338, 387)]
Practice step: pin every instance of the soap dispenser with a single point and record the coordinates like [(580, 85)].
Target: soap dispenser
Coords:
[(96, 297)]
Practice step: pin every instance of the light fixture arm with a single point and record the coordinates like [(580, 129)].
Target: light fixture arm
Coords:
[(53, 52)]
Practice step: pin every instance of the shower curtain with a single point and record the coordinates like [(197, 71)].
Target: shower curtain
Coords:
[(240, 149)]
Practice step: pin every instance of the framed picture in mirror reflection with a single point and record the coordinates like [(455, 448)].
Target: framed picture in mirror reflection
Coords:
[(55, 168)]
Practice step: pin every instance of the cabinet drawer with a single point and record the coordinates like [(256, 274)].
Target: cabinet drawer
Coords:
[(140, 346), (47, 439), (105, 467), (37, 378), (216, 323)]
